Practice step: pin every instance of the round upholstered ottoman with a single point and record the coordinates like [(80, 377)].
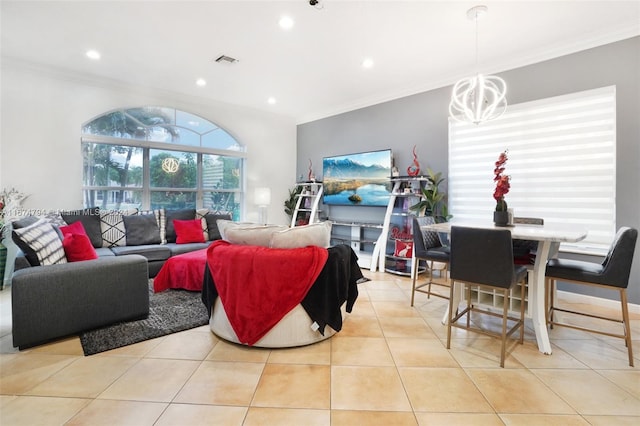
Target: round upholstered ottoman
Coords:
[(294, 329)]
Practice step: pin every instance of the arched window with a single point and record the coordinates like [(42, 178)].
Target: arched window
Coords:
[(158, 157)]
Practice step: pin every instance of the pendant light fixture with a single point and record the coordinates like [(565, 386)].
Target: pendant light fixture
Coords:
[(478, 98)]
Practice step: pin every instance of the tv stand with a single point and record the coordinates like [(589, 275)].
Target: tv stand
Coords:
[(360, 237)]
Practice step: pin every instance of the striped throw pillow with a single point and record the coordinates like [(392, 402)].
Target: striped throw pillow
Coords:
[(42, 240)]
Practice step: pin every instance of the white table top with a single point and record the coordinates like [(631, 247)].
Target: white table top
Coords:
[(555, 233)]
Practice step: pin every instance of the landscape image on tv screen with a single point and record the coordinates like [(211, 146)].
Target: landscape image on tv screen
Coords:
[(360, 179)]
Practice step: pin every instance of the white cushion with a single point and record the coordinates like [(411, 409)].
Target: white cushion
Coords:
[(112, 227), (200, 214), (44, 241), (252, 235), (224, 224), (315, 234)]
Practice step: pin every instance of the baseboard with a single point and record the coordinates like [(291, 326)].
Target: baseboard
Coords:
[(598, 301)]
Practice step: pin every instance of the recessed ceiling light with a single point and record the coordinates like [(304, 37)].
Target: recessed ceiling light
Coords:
[(286, 22), (271, 100), (201, 82), (367, 63), (93, 54)]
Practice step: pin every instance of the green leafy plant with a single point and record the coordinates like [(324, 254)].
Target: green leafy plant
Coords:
[(433, 202), (290, 203)]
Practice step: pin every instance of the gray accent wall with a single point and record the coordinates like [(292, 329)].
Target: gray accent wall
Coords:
[(421, 120)]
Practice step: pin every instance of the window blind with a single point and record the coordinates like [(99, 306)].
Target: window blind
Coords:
[(562, 155)]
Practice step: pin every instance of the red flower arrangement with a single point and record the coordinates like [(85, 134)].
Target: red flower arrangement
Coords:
[(502, 183)]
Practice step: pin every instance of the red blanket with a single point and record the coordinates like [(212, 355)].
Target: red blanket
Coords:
[(184, 271), (258, 286)]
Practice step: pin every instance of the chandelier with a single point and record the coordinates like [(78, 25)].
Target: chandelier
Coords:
[(170, 165), (478, 98)]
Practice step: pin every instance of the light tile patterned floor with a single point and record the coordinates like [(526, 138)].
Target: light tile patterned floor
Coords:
[(388, 366)]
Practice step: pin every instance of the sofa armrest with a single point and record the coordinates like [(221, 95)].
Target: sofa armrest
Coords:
[(58, 300), (20, 261)]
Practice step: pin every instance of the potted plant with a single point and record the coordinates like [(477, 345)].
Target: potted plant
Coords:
[(433, 202), (501, 215), (290, 203)]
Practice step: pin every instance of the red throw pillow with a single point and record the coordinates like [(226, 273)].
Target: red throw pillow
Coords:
[(188, 231), (78, 247), (74, 228)]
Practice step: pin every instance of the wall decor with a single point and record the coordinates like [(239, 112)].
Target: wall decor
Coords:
[(357, 179), (414, 168)]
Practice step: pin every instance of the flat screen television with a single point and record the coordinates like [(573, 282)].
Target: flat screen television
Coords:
[(360, 179)]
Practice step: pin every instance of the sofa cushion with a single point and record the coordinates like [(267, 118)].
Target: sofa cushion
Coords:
[(90, 219), (78, 247), (315, 234), (252, 235), (104, 252), (153, 252), (40, 243), (74, 228), (142, 229), (54, 217), (112, 227), (212, 225), (224, 224), (159, 214), (177, 249), (171, 215), (200, 215), (188, 231), (24, 222)]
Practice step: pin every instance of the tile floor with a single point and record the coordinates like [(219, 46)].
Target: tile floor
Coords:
[(388, 366)]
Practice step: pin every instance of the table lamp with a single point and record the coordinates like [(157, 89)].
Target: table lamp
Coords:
[(262, 198)]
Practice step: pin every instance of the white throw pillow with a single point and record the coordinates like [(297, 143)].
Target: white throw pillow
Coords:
[(315, 234), (112, 227), (200, 214), (252, 235), (224, 224), (42, 240)]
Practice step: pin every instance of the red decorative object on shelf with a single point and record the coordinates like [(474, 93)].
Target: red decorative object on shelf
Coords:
[(414, 169)]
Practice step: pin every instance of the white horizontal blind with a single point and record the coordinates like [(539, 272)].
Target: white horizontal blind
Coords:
[(562, 156)]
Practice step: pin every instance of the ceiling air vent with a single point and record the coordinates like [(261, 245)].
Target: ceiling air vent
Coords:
[(225, 58)]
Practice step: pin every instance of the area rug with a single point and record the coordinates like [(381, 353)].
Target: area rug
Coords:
[(170, 311)]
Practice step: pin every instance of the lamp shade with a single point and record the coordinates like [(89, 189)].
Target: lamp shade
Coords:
[(262, 196)]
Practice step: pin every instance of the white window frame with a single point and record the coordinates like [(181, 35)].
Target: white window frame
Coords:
[(562, 163), (200, 149)]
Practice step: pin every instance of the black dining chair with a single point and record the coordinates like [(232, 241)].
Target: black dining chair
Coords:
[(428, 248), (484, 258), (613, 274)]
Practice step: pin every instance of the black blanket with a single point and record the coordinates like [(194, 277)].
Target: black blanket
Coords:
[(336, 284)]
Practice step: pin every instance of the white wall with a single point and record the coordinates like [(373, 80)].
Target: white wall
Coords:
[(43, 111)]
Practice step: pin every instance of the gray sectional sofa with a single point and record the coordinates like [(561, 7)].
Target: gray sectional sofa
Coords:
[(50, 301)]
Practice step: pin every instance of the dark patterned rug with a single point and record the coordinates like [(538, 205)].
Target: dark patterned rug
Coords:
[(170, 311)]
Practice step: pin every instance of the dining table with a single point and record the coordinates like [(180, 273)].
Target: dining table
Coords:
[(549, 237)]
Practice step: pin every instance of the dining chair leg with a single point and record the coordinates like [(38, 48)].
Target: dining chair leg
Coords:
[(505, 310), (430, 263), (625, 320), (468, 288), (522, 313), (451, 315), (414, 273)]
